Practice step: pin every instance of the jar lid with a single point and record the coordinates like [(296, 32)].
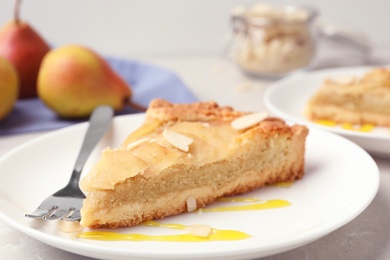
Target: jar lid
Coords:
[(265, 14)]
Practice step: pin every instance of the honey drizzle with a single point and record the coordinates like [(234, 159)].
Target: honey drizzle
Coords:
[(361, 128), (215, 235), (234, 199), (269, 204), (348, 126)]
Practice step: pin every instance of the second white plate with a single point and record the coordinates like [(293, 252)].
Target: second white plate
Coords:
[(287, 99)]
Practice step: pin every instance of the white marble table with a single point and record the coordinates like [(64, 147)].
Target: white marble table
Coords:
[(214, 78)]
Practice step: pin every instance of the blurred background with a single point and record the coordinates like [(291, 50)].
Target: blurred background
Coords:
[(139, 28), (188, 37)]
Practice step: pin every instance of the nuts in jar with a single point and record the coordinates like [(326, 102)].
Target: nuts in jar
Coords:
[(271, 41)]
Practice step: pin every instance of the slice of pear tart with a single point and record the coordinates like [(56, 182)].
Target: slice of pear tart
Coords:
[(184, 157), (353, 100)]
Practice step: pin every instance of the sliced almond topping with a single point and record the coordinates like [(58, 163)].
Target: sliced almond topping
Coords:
[(199, 230), (136, 143), (346, 80), (248, 120), (178, 140), (153, 140), (191, 204)]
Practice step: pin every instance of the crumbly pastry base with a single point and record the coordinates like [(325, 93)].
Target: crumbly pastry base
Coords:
[(267, 153), (339, 114)]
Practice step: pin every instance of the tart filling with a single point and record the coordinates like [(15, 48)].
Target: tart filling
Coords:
[(189, 153)]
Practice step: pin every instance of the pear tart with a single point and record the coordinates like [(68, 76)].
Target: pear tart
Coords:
[(184, 157), (356, 100)]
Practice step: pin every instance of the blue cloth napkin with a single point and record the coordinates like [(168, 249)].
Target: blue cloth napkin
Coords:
[(147, 82)]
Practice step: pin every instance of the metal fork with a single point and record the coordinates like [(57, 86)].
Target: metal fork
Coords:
[(66, 203)]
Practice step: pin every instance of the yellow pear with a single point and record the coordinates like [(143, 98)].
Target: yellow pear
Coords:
[(74, 79), (21, 45), (9, 87)]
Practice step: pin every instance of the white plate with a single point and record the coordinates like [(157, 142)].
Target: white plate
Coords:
[(287, 99), (340, 183)]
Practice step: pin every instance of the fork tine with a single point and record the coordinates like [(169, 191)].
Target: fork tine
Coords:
[(57, 214), (68, 213), (37, 215), (42, 213), (75, 216)]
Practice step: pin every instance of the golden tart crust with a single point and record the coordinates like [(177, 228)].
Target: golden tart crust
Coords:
[(149, 178)]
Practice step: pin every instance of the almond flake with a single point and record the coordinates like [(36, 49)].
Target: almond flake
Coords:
[(136, 143), (248, 120), (199, 230), (178, 140), (346, 80), (191, 204), (153, 140)]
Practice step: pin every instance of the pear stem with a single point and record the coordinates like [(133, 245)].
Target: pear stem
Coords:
[(136, 106), (16, 11)]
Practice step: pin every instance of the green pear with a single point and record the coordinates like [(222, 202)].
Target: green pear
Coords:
[(9, 87), (21, 45), (74, 79)]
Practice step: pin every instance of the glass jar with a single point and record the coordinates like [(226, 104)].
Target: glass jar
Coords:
[(273, 41)]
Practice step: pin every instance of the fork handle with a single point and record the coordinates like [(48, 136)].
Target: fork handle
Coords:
[(98, 125)]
